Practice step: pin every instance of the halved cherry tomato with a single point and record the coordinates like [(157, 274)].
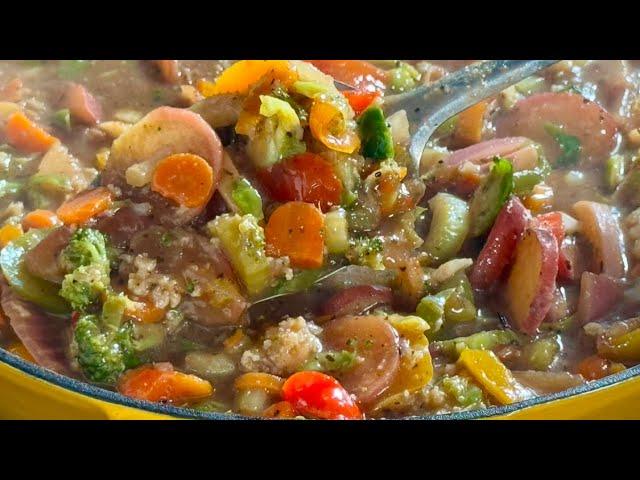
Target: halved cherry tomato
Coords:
[(307, 177), (357, 73), (318, 395), (360, 99)]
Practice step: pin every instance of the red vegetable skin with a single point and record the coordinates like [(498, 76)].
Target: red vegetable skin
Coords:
[(358, 73), (591, 124), (82, 105), (553, 220), (530, 288), (318, 395), (356, 300), (599, 294), (307, 178), (498, 250)]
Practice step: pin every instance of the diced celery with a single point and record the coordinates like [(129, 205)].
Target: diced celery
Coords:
[(614, 171), (148, 336), (449, 227), (490, 196), (540, 354), (62, 119), (486, 340), (336, 231), (209, 366), (300, 281), (403, 78), (243, 241), (530, 85), (247, 198), (432, 308)]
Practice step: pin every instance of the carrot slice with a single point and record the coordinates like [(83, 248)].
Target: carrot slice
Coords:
[(295, 230), (146, 312), (25, 135), (160, 383), (240, 76), (39, 219), (85, 206), (469, 126), (9, 233), (184, 178)]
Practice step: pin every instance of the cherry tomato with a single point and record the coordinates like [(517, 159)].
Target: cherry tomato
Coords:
[(318, 395), (306, 177)]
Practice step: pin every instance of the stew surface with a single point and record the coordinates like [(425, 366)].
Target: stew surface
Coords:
[(248, 237)]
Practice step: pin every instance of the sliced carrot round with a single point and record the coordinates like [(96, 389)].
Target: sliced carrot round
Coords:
[(252, 380), (327, 124), (295, 230), (39, 219), (26, 136), (85, 206), (184, 178)]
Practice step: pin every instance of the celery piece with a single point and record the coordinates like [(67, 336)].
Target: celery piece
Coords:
[(403, 78), (448, 229), (336, 231), (10, 188), (243, 241), (209, 366), (486, 340), (462, 391), (247, 198), (26, 285), (614, 171), (489, 198), (62, 119), (375, 134), (300, 281), (113, 310), (72, 69), (148, 335), (540, 354), (432, 309), (530, 85)]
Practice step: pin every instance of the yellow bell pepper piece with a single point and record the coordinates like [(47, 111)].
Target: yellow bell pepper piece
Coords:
[(8, 233), (416, 367), (491, 374), (240, 76), (623, 348), (329, 126)]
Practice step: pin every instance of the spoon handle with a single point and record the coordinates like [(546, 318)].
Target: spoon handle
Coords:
[(429, 106)]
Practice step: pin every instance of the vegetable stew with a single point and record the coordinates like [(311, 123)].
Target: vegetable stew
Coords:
[(248, 237)]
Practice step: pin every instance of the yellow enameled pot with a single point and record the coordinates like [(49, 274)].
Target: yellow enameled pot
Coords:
[(31, 392)]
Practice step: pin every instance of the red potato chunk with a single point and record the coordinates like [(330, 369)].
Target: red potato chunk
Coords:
[(591, 124), (530, 288), (602, 228), (376, 343), (357, 300), (166, 131), (82, 105), (599, 294), (498, 250)]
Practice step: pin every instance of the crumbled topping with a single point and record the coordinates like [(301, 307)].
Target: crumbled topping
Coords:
[(163, 290)]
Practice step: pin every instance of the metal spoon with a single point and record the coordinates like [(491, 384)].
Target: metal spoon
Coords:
[(429, 106)]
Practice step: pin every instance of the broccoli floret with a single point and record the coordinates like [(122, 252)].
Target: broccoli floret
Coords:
[(103, 355), (85, 286), (87, 259), (104, 346), (87, 247), (367, 252)]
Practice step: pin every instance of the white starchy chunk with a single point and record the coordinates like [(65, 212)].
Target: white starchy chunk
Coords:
[(593, 329), (58, 161), (163, 290), (448, 269), (284, 349)]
